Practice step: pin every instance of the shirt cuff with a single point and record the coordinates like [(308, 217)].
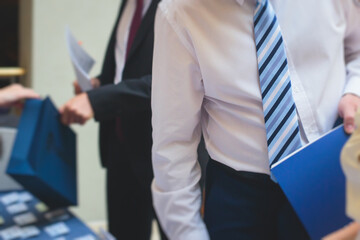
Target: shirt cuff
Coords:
[(353, 86), (178, 212)]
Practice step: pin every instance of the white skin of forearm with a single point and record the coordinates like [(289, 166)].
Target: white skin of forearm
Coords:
[(14, 93)]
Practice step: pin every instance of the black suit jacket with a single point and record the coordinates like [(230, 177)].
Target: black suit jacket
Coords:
[(129, 100)]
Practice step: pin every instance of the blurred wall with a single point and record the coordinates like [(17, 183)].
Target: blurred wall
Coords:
[(43, 54)]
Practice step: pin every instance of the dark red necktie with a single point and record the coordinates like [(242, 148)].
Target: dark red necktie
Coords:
[(135, 24)]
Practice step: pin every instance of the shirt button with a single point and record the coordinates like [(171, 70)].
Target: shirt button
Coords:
[(295, 89)]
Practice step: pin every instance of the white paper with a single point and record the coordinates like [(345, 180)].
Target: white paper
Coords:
[(10, 198), (81, 60), (30, 231), (25, 219), (86, 237), (11, 233), (25, 197), (57, 215), (57, 229), (17, 208)]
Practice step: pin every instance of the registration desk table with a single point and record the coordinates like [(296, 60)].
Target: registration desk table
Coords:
[(22, 216), (12, 73)]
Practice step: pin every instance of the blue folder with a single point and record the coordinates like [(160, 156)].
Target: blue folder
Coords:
[(314, 183), (43, 158)]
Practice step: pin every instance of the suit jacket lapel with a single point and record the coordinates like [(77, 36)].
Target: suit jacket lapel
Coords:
[(146, 24)]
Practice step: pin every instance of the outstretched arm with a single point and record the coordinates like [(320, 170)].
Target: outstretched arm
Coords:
[(108, 101), (12, 94)]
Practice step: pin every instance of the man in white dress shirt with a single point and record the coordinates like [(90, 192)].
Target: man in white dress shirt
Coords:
[(206, 78)]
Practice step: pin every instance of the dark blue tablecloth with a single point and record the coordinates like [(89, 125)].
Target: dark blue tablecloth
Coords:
[(76, 226)]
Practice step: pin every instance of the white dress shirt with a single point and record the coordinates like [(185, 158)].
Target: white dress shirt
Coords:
[(205, 77), (122, 35)]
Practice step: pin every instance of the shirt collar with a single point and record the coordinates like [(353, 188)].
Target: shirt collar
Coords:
[(241, 2)]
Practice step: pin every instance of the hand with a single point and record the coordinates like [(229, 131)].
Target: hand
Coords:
[(348, 107), (76, 110), (77, 89), (348, 232), (14, 93), (95, 83)]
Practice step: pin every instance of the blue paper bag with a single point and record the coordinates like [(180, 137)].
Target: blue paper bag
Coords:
[(43, 158)]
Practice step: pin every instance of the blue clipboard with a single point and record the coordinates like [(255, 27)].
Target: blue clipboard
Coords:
[(314, 183)]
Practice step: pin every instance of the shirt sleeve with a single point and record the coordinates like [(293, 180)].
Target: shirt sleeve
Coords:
[(352, 49), (177, 95)]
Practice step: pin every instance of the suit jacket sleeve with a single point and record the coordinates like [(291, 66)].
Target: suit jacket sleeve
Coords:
[(130, 95)]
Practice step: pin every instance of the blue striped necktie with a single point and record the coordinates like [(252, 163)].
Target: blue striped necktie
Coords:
[(281, 122)]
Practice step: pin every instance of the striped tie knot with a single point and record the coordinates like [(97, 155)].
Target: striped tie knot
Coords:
[(261, 2)]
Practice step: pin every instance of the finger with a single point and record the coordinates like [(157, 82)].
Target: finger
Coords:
[(84, 120), (77, 89), (31, 94), (349, 120), (81, 120), (95, 82), (27, 93), (65, 116), (71, 115), (71, 119), (61, 110)]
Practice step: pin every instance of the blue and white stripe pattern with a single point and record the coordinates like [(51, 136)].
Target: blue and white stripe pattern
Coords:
[(281, 120)]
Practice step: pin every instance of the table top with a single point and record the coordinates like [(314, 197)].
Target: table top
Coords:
[(11, 71), (23, 216)]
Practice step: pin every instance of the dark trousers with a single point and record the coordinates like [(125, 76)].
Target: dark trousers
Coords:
[(129, 203), (248, 206)]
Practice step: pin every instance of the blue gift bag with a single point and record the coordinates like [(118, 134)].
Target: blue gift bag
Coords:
[(43, 158)]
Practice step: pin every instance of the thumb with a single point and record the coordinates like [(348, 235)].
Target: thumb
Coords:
[(349, 119), (61, 110)]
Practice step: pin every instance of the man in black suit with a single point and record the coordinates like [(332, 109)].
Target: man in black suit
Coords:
[(121, 104)]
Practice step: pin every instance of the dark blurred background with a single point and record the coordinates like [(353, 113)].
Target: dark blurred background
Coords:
[(9, 36)]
